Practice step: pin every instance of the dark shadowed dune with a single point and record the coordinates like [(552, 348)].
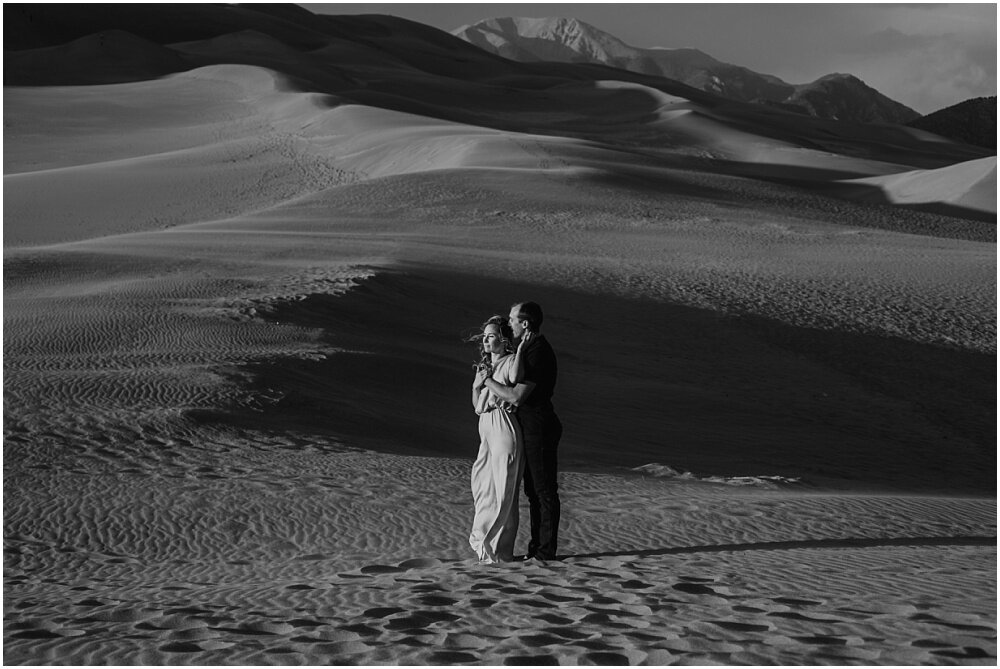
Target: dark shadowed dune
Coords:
[(703, 392), (107, 57), (972, 122), (30, 26)]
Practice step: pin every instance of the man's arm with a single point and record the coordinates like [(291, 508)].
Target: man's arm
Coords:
[(511, 394)]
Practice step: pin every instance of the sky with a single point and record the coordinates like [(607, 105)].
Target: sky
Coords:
[(926, 56)]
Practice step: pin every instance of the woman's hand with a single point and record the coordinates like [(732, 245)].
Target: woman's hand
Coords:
[(525, 338), (480, 381)]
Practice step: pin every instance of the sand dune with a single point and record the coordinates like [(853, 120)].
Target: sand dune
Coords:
[(110, 56), (235, 413), (970, 185)]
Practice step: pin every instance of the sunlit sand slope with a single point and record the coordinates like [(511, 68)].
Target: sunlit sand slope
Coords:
[(971, 185)]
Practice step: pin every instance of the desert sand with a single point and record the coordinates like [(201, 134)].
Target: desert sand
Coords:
[(236, 423)]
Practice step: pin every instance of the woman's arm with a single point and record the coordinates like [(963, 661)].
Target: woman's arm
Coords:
[(478, 384), (517, 365), (515, 394)]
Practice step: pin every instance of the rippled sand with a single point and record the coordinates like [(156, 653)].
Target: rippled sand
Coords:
[(291, 551)]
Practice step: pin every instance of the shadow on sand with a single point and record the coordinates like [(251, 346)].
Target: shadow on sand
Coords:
[(847, 542), (641, 382)]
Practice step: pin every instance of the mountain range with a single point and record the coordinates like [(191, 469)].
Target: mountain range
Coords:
[(972, 122), (393, 63), (835, 96)]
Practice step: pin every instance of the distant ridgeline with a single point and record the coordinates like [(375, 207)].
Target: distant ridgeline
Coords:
[(81, 44), (973, 122), (835, 96)]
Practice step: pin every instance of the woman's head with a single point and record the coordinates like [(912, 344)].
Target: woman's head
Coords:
[(497, 335)]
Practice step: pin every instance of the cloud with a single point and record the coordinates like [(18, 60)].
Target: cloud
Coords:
[(891, 40), (926, 71)]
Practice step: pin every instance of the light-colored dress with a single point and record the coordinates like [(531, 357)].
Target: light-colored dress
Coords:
[(496, 474)]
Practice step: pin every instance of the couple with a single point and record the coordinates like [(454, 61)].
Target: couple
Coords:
[(519, 432)]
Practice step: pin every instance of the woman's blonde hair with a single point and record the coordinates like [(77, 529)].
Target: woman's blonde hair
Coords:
[(506, 333)]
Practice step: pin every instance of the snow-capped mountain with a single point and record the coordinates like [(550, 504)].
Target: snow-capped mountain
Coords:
[(836, 96)]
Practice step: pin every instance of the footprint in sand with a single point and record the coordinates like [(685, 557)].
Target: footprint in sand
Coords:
[(466, 642), (195, 634), (436, 600), (420, 563), (188, 610), (428, 588), (966, 653), (382, 612), (380, 569), (794, 615), (791, 601), (821, 640), (633, 584), (174, 622), (736, 626), (541, 640), (266, 628), (560, 599), (695, 589), (125, 615), (183, 647), (531, 661), (43, 630), (554, 619), (453, 657), (480, 603), (535, 603), (420, 620), (362, 629), (957, 624), (606, 658)]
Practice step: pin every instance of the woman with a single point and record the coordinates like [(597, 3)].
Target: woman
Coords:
[(496, 474)]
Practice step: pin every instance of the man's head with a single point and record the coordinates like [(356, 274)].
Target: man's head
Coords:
[(525, 316)]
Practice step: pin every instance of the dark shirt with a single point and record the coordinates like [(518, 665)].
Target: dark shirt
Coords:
[(541, 369)]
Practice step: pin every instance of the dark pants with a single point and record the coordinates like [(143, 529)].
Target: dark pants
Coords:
[(541, 430)]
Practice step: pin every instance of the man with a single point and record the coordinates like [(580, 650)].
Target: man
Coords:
[(540, 427)]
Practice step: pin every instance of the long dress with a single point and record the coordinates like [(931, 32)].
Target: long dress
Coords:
[(496, 474)]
